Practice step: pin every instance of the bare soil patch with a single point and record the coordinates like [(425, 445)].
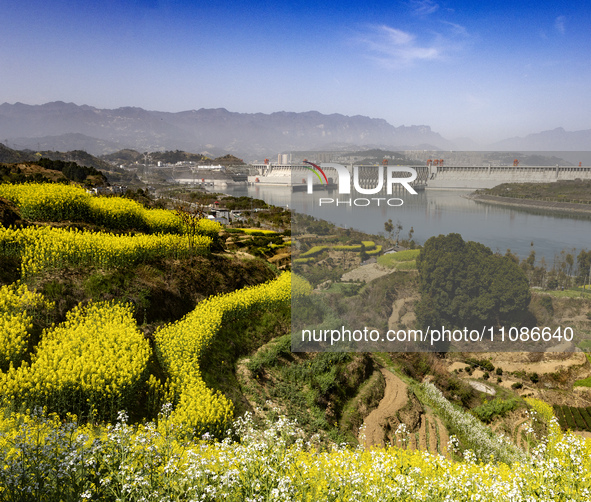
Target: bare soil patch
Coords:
[(424, 431), (538, 362), (482, 387), (366, 273), (395, 398), (403, 312)]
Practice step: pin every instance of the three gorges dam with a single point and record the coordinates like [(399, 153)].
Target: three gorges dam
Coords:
[(428, 176)]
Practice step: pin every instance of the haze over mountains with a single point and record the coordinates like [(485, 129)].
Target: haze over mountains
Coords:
[(67, 126)]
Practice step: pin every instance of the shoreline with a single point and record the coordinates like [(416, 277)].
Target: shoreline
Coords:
[(562, 207)]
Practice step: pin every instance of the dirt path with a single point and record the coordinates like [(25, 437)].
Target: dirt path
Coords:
[(585, 434), (395, 397)]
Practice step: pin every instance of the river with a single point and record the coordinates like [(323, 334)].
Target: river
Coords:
[(434, 212)]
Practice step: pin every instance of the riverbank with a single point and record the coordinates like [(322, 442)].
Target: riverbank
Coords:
[(563, 207)]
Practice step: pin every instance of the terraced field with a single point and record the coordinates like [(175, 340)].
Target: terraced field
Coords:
[(573, 418), (400, 420)]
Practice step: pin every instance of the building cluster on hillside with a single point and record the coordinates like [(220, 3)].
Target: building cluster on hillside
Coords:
[(107, 190), (190, 164)]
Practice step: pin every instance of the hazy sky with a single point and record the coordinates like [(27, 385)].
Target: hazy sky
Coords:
[(483, 70)]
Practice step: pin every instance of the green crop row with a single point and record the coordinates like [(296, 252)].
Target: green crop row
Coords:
[(367, 245), (375, 251), (571, 417)]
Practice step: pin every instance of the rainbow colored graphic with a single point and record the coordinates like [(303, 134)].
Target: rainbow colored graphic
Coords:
[(313, 169)]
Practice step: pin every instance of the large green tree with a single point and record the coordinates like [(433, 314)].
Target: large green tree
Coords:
[(463, 284)]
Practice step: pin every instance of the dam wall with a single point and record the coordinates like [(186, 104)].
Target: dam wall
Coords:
[(432, 176), (296, 175), (490, 176)]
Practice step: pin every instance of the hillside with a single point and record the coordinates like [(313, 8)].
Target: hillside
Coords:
[(169, 337), (9, 156), (46, 170), (80, 157)]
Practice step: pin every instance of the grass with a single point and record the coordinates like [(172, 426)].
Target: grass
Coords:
[(568, 293), (238, 338), (345, 289), (407, 265), (303, 260), (313, 388), (585, 382), (280, 347), (393, 260)]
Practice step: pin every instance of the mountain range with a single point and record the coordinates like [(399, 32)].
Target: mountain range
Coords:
[(67, 126)]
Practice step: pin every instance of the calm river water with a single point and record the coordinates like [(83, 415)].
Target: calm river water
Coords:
[(434, 212)]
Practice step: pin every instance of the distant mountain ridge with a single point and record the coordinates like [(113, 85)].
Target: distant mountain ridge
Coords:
[(216, 132), (555, 139), (67, 126)]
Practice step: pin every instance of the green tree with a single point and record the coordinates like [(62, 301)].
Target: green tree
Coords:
[(363, 253), (389, 227), (583, 265), (463, 284), (393, 230)]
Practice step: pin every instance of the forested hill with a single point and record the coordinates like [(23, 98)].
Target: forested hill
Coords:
[(80, 157), (43, 169)]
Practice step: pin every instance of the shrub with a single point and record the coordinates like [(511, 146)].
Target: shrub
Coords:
[(490, 410)]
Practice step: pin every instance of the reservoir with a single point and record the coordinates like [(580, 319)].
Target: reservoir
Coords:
[(434, 212)]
